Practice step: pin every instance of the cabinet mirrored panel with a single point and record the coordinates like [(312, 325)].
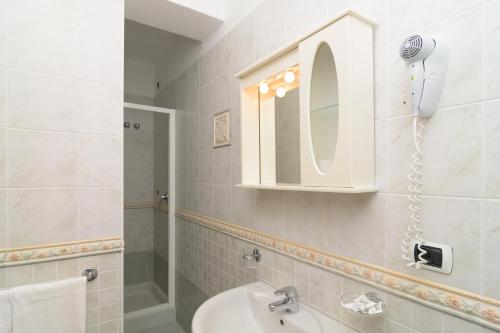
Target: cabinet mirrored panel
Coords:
[(279, 127), (324, 108)]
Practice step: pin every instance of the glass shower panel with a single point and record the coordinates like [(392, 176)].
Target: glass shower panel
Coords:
[(146, 158)]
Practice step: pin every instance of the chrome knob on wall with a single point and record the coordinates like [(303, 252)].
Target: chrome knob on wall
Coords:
[(164, 196)]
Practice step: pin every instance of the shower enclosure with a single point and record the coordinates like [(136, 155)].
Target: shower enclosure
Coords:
[(149, 196)]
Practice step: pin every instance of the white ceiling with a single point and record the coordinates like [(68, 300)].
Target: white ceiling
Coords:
[(189, 18)]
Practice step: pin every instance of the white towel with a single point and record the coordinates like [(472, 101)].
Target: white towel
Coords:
[(53, 307), (5, 312)]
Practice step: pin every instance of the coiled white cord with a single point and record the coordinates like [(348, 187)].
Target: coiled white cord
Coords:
[(415, 187)]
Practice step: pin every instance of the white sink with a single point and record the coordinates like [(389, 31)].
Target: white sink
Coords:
[(244, 310)]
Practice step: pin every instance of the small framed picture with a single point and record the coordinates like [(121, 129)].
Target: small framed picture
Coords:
[(221, 129)]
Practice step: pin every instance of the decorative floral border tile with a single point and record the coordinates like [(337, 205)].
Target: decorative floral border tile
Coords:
[(471, 306), (47, 252), (146, 204), (138, 205)]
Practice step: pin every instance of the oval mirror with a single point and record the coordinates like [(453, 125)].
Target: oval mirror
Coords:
[(324, 107)]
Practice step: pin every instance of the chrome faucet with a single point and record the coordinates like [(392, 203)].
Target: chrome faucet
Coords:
[(290, 303)]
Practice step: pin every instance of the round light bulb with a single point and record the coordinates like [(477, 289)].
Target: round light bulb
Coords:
[(280, 92), (289, 77), (264, 88)]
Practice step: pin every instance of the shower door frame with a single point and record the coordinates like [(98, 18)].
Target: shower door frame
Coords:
[(171, 191)]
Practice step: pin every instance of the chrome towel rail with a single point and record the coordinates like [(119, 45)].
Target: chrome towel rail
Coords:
[(90, 274)]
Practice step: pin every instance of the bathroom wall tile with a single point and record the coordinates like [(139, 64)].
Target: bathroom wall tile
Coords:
[(109, 14), (491, 248), (108, 223), (269, 27), (193, 167), (269, 212), (3, 32), (45, 271), (206, 197), (95, 97), (461, 232), (306, 218), (207, 99), (398, 309), (395, 327), (60, 9), (19, 275), (222, 92), (303, 272), (380, 82), (381, 154), (426, 319), (332, 306), (3, 219), (455, 155), (207, 73), (304, 290), (396, 81), (207, 166), (109, 295), (108, 279), (463, 36), (3, 93), (357, 215), (67, 268), (400, 146), (242, 206), (243, 39), (222, 202), (40, 159), (191, 197), (42, 43), (400, 23), (92, 318), (492, 49), (310, 14), (236, 165), (100, 161), (109, 312), (222, 54), (35, 214), (110, 327), (375, 10), (193, 77), (491, 152), (453, 324), (3, 158), (222, 165), (139, 157), (41, 101), (206, 132), (99, 46), (235, 120), (111, 261)]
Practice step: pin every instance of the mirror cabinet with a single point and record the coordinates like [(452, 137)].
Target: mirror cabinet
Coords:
[(307, 119)]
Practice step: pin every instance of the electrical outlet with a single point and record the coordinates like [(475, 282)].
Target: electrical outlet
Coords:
[(439, 257)]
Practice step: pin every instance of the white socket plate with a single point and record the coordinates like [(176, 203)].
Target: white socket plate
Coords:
[(447, 252)]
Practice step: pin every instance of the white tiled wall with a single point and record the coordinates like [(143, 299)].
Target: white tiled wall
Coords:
[(104, 294), (61, 94), (211, 262), (461, 189)]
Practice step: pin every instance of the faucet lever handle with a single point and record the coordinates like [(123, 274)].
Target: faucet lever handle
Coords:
[(288, 291)]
